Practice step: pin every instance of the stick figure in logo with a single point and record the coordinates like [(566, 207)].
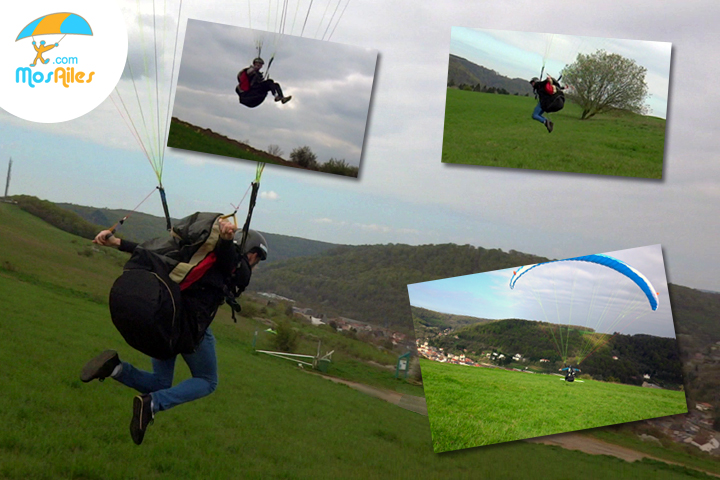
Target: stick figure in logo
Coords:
[(40, 50)]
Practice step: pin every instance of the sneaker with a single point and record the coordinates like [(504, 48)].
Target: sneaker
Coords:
[(549, 125), (142, 417), (284, 100), (101, 366), (278, 98)]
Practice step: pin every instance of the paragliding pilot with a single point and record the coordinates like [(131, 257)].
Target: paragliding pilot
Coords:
[(570, 372), (550, 99), (253, 87), (224, 266)]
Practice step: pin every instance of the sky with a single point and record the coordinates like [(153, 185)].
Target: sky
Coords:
[(330, 84), (523, 55), (404, 194), (576, 293)]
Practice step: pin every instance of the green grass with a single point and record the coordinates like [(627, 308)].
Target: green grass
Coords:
[(267, 419), (471, 407), (181, 136), (498, 131)]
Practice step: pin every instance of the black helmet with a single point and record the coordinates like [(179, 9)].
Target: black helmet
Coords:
[(534, 79), (259, 60), (254, 242)]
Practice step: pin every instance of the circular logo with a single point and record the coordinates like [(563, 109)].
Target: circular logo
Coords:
[(60, 58)]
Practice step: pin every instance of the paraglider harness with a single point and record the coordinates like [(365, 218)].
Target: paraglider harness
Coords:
[(550, 94), (570, 376), (146, 302)]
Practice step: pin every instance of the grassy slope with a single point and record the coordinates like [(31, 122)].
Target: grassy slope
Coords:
[(480, 406), (182, 136), (497, 130), (266, 420)]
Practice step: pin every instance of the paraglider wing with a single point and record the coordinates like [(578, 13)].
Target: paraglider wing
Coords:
[(607, 261), (57, 24)]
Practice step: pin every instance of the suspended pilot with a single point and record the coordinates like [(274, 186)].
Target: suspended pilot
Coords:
[(253, 88), (570, 373), (550, 99)]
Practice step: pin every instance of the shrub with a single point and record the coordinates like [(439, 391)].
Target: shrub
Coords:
[(286, 338)]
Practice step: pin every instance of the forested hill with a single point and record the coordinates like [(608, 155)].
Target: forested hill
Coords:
[(624, 358), (141, 226), (369, 282), (432, 322), (462, 71)]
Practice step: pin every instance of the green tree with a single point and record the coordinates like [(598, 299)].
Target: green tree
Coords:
[(286, 338), (304, 157), (603, 82)]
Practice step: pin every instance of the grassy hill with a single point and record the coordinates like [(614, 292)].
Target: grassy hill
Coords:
[(470, 407), (498, 131), (462, 71), (268, 419)]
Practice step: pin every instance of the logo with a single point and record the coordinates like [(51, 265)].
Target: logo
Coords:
[(64, 60), (54, 24)]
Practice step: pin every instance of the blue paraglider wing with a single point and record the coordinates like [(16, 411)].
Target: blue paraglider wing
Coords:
[(607, 261)]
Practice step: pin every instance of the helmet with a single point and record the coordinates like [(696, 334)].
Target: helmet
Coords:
[(254, 242), (534, 79), (259, 60)]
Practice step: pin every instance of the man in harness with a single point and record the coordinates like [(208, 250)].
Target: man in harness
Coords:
[(570, 373), (253, 87), (227, 268), (550, 99)]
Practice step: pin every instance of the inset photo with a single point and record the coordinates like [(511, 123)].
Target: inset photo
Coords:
[(548, 348), (562, 103), (273, 98)]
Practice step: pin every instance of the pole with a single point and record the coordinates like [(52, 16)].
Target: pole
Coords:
[(7, 183)]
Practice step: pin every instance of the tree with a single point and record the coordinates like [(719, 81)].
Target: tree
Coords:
[(602, 81), (275, 150), (286, 338), (304, 157)]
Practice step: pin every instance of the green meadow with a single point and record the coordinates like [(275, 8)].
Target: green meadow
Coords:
[(267, 419), (498, 131), (470, 406)]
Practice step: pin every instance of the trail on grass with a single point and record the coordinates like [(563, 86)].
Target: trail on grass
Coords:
[(593, 446)]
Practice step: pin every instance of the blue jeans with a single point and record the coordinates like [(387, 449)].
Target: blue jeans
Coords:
[(537, 114), (203, 366)]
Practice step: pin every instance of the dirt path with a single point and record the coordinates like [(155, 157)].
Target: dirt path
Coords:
[(402, 400), (593, 446)]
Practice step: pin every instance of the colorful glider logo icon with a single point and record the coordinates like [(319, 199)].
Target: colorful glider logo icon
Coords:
[(78, 55), (54, 24)]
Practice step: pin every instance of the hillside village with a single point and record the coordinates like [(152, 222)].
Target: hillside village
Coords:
[(344, 324)]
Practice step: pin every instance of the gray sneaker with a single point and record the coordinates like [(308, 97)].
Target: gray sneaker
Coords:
[(549, 125), (142, 417), (100, 367)]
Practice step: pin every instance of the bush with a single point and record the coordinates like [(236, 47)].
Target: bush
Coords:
[(304, 157), (286, 338), (339, 167)]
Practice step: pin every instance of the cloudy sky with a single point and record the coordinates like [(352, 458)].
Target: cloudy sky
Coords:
[(523, 55), (330, 84), (577, 293), (404, 194)]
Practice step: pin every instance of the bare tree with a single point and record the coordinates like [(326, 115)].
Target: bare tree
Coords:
[(275, 150)]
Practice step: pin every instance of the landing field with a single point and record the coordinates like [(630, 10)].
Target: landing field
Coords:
[(498, 131), (471, 406)]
